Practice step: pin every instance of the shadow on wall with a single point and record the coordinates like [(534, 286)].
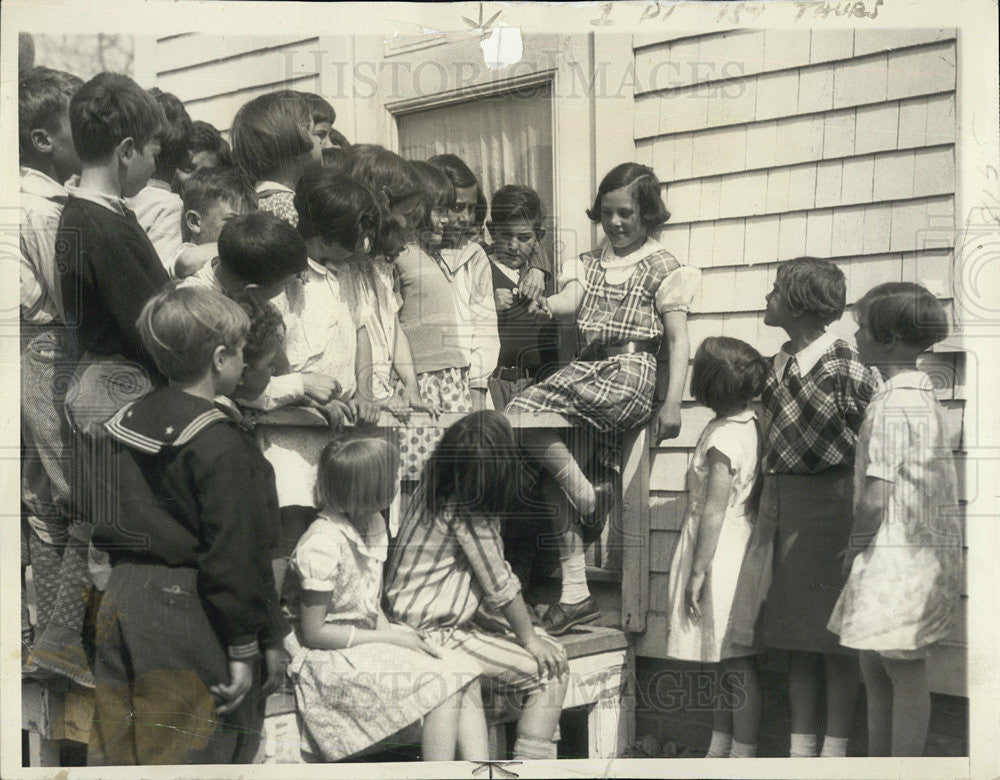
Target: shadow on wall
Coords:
[(82, 55)]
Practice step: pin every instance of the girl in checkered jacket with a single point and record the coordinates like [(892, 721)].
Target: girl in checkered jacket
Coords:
[(813, 402), (630, 298)]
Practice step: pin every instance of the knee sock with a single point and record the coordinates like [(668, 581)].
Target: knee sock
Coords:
[(742, 750), (720, 745), (834, 747), (574, 579), (577, 488), (528, 748), (803, 746), (46, 560)]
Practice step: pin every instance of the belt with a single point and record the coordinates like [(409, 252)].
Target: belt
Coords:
[(512, 373), (603, 351)]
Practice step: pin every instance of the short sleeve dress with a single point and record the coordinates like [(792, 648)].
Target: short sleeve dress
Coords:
[(353, 698), (704, 638), (624, 299), (904, 590)]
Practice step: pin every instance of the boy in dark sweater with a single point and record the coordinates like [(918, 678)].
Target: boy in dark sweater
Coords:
[(527, 339), (109, 268), (191, 599)]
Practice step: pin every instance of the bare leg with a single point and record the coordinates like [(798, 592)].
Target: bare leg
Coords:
[(803, 690), (744, 698), (440, 735), (841, 693), (911, 705), (473, 740), (540, 716), (878, 691)]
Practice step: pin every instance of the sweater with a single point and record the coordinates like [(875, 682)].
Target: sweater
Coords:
[(111, 270)]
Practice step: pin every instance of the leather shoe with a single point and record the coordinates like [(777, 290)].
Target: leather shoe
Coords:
[(560, 618)]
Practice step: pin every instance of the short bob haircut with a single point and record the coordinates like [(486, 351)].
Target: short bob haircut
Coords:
[(461, 176), (108, 109), (208, 186), (813, 287), (261, 248), (474, 468), (267, 328), (183, 325), (385, 173), (357, 475), (646, 191), (43, 97), (319, 108), (436, 190), (516, 202), (174, 135), (271, 131), (334, 207), (727, 374), (905, 311)]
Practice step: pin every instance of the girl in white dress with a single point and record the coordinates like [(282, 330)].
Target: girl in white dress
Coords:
[(722, 488)]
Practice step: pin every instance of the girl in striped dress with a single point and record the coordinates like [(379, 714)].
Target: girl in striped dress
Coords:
[(630, 299)]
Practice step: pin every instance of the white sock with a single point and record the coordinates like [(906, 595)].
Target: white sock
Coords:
[(742, 750), (720, 745), (577, 487), (803, 746), (532, 748), (834, 747), (574, 579)]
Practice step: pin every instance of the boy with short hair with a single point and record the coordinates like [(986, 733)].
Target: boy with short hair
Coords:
[(48, 158), (185, 614), (211, 197), (527, 340), (111, 267), (157, 207), (206, 149)]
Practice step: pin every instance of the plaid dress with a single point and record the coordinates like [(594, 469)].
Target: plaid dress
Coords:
[(616, 393)]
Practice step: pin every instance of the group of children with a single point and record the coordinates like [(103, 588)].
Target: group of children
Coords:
[(172, 284)]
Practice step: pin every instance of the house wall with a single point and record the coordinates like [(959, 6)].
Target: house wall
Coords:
[(831, 143)]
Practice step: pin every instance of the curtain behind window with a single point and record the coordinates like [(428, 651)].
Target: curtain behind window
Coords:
[(504, 138)]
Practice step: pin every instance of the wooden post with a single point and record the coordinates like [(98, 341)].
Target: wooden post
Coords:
[(635, 530)]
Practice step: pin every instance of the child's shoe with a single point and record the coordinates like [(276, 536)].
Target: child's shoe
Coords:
[(560, 618)]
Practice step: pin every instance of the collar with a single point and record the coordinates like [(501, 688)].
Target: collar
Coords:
[(110, 202), (271, 186), (456, 258), (807, 357), (510, 273), (375, 543), (610, 260), (167, 417), (746, 415), (158, 184), (909, 380), (231, 410), (37, 183)]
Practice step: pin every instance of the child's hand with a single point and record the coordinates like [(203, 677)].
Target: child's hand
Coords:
[(503, 299), (229, 697), (275, 663), (551, 657), (668, 422), (418, 404), (532, 284), (541, 306), (692, 594), (413, 641), (320, 388), (337, 413), (367, 411)]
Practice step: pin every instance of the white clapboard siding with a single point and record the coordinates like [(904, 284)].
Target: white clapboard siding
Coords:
[(774, 145)]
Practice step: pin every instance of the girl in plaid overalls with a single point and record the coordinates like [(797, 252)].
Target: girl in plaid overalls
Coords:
[(630, 298)]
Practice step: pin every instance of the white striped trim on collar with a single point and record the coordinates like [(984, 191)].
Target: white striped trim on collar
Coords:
[(152, 446)]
